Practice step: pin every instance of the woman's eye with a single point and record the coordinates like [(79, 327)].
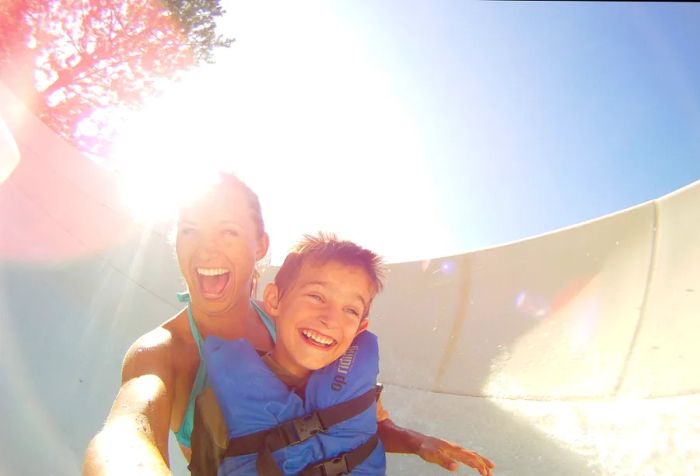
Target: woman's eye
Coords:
[(186, 231), (316, 297), (229, 232)]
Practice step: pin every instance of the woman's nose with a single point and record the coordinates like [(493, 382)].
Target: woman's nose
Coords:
[(208, 243)]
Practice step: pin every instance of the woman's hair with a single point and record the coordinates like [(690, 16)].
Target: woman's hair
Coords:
[(230, 181)]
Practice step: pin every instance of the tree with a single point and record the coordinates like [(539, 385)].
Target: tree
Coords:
[(75, 62)]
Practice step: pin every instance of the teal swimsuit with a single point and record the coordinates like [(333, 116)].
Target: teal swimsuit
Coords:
[(185, 432)]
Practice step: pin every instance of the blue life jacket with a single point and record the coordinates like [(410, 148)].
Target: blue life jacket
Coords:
[(255, 403)]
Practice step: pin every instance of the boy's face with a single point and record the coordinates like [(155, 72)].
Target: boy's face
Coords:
[(319, 315)]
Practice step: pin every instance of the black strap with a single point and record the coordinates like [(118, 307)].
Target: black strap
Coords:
[(294, 431), (300, 429), (344, 463)]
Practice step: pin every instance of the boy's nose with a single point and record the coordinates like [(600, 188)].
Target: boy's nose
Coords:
[(329, 316)]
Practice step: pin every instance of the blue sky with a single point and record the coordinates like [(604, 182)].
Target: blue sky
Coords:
[(423, 129), (546, 114)]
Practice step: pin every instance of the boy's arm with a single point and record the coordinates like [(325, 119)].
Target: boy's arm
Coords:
[(433, 450), (134, 439)]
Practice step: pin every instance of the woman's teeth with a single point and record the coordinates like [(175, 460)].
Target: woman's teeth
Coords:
[(317, 338), (212, 271)]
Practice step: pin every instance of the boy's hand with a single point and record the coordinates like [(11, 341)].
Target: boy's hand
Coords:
[(449, 455), (433, 450)]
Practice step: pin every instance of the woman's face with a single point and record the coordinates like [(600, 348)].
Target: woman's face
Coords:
[(217, 247)]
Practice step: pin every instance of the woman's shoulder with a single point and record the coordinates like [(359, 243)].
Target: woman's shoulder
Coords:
[(164, 335), (156, 347)]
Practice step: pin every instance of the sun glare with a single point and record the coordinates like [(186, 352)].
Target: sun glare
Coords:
[(298, 109), (162, 162)]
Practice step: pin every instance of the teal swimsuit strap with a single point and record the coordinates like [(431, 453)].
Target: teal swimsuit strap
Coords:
[(184, 434), (267, 320)]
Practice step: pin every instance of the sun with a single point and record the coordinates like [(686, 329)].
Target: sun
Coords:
[(326, 145), (163, 157)]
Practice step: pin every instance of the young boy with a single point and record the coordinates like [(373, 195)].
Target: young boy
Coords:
[(320, 302), (309, 406)]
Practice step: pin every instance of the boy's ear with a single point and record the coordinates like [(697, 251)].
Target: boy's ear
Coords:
[(271, 300), (364, 323)]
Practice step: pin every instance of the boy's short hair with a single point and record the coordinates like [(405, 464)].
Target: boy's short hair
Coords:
[(326, 247)]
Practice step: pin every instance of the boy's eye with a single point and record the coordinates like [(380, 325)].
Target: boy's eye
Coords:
[(186, 231), (316, 297), (230, 232), (353, 312)]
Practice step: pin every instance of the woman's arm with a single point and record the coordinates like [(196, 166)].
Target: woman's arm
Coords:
[(134, 439), (433, 450)]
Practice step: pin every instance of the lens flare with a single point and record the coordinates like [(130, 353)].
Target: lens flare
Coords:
[(531, 304), (9, 153), (447, 267)]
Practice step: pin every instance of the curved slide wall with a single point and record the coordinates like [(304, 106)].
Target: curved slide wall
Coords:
[(570, 353)]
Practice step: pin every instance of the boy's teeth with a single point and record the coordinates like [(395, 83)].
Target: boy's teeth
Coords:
[(316, 337), (212, 271)]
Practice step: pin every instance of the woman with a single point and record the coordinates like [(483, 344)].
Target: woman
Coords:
[(220, 237)]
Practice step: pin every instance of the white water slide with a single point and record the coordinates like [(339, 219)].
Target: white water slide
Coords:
[(571, 353)]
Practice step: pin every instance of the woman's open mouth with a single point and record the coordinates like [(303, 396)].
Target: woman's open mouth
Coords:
[(317, 339), (213, 281)]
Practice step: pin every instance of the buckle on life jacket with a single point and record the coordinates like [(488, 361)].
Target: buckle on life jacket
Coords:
[(301, 429), (344, 463), (333, 467)]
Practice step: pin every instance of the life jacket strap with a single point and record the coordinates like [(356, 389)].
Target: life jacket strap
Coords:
[(297, 430), (344, 463)]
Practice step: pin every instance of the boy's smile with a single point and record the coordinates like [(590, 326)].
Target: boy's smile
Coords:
[(318, 317), (317, 339)]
